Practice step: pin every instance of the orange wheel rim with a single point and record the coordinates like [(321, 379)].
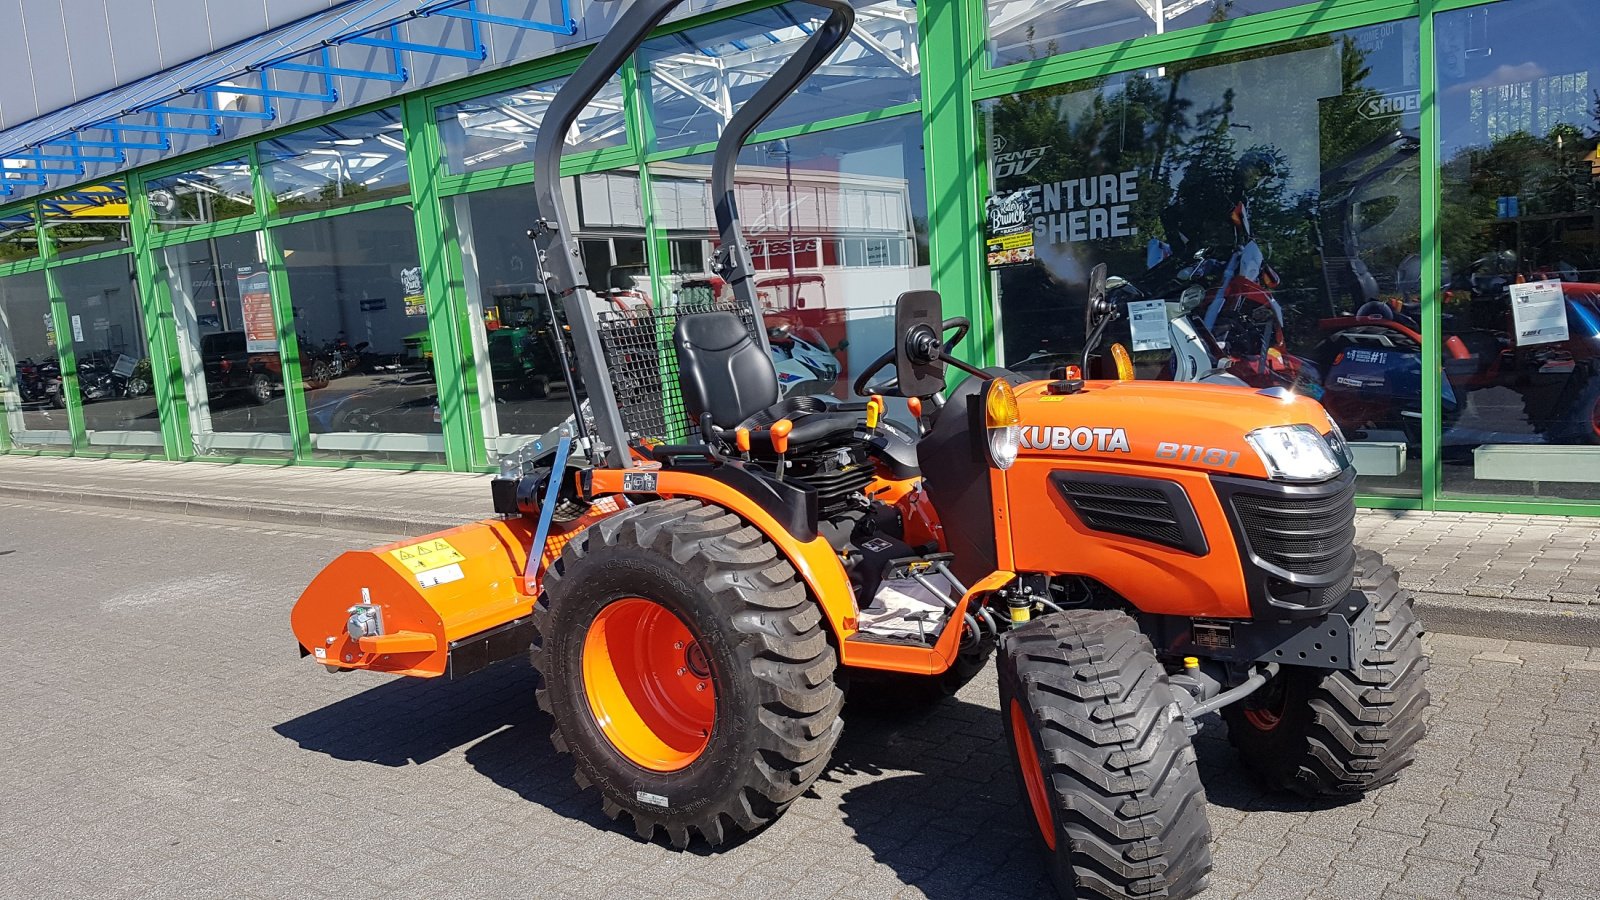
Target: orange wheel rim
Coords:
[(649, 684), (1032, 776)]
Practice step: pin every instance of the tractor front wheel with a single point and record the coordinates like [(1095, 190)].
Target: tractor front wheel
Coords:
[(1340, 733), (1106, 768), (687, 671)]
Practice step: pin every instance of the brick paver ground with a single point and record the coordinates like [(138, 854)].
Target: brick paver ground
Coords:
[(162, 739)]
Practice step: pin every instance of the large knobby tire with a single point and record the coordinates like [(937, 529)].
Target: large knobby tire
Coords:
[(760, 730), (1106, 767), (1339, 733)]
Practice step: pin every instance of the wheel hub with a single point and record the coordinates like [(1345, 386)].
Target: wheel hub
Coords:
[(648, 683)]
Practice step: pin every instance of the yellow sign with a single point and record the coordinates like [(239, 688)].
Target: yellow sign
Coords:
[(427, 555)]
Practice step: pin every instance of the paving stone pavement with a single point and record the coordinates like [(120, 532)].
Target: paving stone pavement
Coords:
[(163, 739)]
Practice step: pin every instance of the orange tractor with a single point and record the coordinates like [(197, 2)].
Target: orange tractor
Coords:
[(699, 566)]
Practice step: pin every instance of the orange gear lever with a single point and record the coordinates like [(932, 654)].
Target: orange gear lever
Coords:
[(915, 405), (780, 441), (780, 435), (741, 439)]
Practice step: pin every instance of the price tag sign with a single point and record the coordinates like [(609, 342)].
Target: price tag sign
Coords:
[(1148, 321), (1539, 312)]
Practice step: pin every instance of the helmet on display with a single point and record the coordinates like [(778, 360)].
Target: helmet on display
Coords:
[(1255, 166)]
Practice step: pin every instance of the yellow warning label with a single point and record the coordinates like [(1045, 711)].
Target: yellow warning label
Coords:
[(430, 554)]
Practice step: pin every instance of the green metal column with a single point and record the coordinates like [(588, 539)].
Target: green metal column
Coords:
[(1432, 317), (289, 357), (160, 329), (68, 356), (950, 55), (452, 359)]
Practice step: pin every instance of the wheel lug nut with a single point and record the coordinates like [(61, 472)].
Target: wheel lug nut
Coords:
[(701, 686), (678, 645), (682, 671)]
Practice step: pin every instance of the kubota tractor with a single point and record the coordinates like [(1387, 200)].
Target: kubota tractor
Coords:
[(699, 565)]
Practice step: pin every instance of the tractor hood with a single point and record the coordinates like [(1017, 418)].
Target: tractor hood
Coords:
[(1190, 426)]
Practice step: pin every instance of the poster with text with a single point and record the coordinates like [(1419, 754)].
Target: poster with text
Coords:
[(255, 300)]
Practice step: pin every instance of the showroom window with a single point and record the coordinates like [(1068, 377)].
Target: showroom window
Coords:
[(111, 353), (30, 369), (1259, 213), (698, 77), (1519, 227), (361, 316), (501, 129), (222, 302), (87, 220), (355, 160), (517, 336), (19, 236), (836, 222), (203, 196), (1024, 30)]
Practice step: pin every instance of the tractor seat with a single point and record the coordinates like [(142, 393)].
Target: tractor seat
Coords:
[(724, 371)]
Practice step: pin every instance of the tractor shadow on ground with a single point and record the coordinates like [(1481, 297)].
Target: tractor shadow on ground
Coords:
[(942, 777)]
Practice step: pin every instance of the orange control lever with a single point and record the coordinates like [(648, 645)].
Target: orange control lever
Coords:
[(780, 435), (915, 405), (741, 439)]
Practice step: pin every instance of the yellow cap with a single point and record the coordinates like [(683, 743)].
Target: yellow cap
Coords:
[(1191, 662)]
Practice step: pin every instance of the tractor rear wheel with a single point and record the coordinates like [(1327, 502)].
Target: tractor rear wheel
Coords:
[(687, 671), (1339, 733), (1104, 762)]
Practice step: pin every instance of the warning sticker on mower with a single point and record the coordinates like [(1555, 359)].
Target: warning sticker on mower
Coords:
[(434, 553)]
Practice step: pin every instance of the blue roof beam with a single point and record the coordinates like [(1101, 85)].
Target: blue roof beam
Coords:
[(393, 42), (567, 26), (328, 70)]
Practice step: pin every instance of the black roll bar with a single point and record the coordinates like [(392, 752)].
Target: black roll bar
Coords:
[(566, 277)]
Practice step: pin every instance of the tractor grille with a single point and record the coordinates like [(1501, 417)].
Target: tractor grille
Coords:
[(1312, 536), (1138, 512), (644, 365)]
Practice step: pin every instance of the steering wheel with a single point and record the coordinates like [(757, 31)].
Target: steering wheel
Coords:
[(921, 342)]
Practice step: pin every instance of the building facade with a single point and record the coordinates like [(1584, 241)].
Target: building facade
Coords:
[(308, 245)]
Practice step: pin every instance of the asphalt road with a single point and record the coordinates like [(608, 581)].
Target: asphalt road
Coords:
[(163, 739)]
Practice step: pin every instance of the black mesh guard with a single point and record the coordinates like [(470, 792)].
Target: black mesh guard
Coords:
[(643, 365)]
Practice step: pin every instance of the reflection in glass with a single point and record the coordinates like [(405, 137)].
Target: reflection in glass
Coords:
[(85, 220), (501, 129), (698, 77), (214, 193), (836, 223), (361, 318), (30, 372), (1260, 212), (354, 160), (515, 336), (19, 236), (228, 346), (106, 328), (1022, 30), (1520, 238)]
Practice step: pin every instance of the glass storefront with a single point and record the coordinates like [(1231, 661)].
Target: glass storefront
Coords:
[(1259, 214), (696, 79), (1252, 175), (30, 370), (836, 223), (1024, 30), (222, 302), (111, 354), (1519, 223), (361, 316), (518, 333)]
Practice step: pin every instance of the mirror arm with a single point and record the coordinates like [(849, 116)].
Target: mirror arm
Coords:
[(965, 367)]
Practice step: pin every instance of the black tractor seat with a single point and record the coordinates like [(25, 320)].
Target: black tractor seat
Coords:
[(723, 370)]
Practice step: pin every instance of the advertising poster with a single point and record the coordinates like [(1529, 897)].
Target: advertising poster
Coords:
[(255, 300), (411, 287), (1009, 241), (1539, 310), (49, 330)]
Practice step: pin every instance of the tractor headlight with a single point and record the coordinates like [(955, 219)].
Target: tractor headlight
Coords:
[(1294, 453), (1002, 422)]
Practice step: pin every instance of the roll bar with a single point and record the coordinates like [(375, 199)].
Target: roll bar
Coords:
[(565, 277)]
